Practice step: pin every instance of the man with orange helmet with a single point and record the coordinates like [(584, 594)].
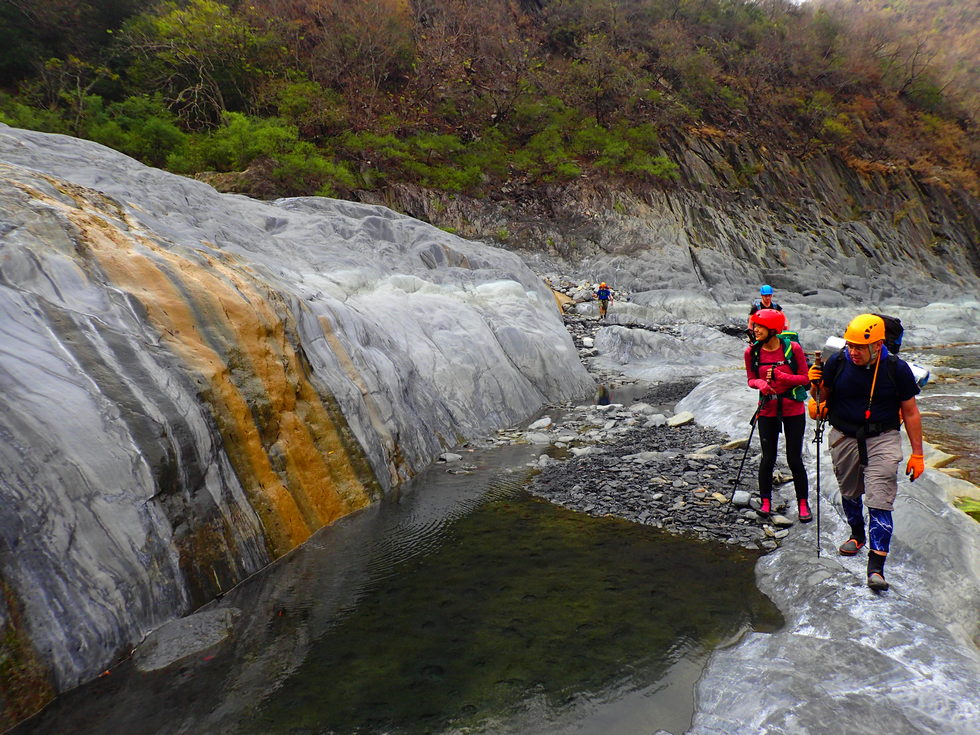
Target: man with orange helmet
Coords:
[(865, 406), (605, 296), (777, 368)]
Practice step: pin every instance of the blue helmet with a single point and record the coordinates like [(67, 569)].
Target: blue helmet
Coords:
[(766, 290)]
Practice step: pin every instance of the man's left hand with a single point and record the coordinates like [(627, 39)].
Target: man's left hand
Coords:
[(915, 467)]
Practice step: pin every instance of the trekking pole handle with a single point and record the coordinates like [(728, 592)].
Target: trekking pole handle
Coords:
[(818, 362)]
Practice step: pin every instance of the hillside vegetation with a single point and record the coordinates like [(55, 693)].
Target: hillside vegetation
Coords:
[(332, 96), (941, 34)]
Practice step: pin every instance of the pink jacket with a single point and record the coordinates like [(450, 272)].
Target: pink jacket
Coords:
[(784, 379)]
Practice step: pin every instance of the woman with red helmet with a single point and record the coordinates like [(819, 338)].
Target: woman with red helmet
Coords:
[(777, 368)]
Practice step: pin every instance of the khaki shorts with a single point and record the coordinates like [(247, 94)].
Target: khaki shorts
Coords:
[(878, 482)]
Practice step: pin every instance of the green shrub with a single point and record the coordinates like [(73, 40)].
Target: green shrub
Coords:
[(835, 128), (17, 114), (314, 110), (658, 167), (489, 154), (732, 98), (304, 170), (238, 141), (140, 126), (927, 95)]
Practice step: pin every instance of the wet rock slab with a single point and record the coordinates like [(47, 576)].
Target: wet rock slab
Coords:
[(177, 639)]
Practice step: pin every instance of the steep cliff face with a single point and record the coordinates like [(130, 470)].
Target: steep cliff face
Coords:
[(194, 383), (739, 216)]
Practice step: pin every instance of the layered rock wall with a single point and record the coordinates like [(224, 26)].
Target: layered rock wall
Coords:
[(739, 216)]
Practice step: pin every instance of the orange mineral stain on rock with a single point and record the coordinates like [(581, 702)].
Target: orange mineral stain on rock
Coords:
[(561, 300), (398, 467), (237, 336)]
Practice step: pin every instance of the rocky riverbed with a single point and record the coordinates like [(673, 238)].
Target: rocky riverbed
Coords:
[(642, 462)]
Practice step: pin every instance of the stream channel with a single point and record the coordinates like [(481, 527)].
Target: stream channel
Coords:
[(460, 604)]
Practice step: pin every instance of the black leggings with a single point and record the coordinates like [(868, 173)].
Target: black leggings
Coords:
[(794, 427)]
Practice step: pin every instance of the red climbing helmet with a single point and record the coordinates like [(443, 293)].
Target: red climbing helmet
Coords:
[(770, 319)]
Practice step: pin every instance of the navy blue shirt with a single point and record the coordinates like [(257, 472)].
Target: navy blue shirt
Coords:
[(603, 294), (756, 305), (852, 387)]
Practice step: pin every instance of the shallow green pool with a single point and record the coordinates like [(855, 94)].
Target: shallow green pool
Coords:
[(464, 605), (523, 603)]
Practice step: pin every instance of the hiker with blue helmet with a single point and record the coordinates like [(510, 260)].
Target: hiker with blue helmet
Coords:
[(776, 366), (866, 395), (763, 302)]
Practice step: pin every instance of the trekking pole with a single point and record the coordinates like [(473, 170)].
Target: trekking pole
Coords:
[(818, 440), (745, 454)]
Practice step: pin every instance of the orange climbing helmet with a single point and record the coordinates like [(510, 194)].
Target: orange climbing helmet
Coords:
[(770, 319), (865, 329)]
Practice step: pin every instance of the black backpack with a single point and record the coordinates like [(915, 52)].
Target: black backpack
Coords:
[(893, 333), (893, 341)]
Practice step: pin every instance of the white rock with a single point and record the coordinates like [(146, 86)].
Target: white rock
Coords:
[(685, 417), (182, 637), (609, 407)]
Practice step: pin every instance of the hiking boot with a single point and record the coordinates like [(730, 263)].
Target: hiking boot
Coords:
[(766, 507), (876, 581), (851, 547), (804, 509)]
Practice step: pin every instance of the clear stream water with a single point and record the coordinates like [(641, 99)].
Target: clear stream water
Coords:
[(955, 399), (461, 605)]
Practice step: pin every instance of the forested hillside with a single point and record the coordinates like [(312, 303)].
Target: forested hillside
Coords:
[(942, 36), (334, 96)]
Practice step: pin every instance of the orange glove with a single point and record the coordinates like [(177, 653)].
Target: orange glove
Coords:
[(915, 467), (815, 374), (817, 410)]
